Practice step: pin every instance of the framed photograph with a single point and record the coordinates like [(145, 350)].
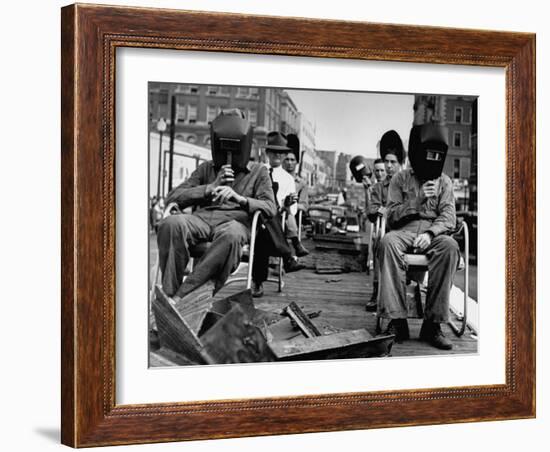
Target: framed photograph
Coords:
[(282, 225)]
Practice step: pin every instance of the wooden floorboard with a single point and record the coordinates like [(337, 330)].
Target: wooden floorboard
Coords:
[(341, 298)]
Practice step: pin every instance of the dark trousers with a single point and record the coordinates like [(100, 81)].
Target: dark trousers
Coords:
[(270, 241), (177, 233), (443, 256)]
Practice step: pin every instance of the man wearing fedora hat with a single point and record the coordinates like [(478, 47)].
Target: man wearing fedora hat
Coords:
[(271, 239)]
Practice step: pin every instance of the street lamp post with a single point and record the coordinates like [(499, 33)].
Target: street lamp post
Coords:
[(161, 128)]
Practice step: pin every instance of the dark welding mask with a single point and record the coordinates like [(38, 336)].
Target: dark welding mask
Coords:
[(428, 145), (391, 143), (231, 140), (359, 168)]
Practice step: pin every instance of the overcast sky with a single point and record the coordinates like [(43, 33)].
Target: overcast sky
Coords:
[(353, 122)]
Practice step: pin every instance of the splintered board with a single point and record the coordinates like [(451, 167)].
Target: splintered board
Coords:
[(347, 344), (174, 332), (235, 339)]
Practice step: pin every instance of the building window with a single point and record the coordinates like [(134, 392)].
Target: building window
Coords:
[(457, 139), (163, 97), (192, 139), (192, 114), (194, 89), (458, 115), (254, 92), (252, 117), (213, 90), (181, 115), (211, 113), (243, 92), (456, 168)]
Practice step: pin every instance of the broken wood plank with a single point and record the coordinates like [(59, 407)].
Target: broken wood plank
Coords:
[(302, 320), (328, 270), (174, 332), (194, 306), (235, 339), (347, 344), (243, 299)]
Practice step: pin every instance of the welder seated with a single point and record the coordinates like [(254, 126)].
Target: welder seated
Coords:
[(420, 212), (224, 192)]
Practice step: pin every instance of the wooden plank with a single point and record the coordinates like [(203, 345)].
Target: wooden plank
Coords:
[(302, 320), (235, 339), (284, 330), (173, 330), (194, 306), (347, 344), (242, 298)]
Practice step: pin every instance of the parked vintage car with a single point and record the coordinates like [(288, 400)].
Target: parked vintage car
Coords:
[(352, 222), (318, 220)]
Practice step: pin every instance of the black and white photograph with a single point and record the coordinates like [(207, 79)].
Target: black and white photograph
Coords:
[(292, 224)]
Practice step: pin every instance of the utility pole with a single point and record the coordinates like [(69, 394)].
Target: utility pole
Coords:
[(172, 134), (161, 128)]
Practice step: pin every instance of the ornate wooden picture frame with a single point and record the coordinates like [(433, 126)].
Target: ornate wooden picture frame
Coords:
[(90, 38)]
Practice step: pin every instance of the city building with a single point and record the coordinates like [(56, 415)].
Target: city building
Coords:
[(197, 105), (342, 176), (290, 117), (308, 161), (329, 159), (187, 157), (457, 113)]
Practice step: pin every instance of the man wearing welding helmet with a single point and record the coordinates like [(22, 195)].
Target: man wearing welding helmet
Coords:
[(393, 154), (420, 213), (224, 193)]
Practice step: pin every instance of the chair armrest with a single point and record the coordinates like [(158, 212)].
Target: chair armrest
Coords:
[(283, 220), (255, 219)]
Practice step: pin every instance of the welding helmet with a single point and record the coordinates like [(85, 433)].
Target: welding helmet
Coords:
[(391, 143), (359, 168), (231, 140), (293, 142), (428, 145)]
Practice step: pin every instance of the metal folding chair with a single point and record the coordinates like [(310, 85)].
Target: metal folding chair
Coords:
[(419, 263), (198, 250)]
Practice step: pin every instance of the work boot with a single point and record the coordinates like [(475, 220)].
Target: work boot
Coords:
[(431, 332), (301, 251), (292, 265), (372, 304), (257, 290), (400, 328)]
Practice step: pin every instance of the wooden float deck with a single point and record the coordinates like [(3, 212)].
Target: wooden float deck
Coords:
[(341, 299)]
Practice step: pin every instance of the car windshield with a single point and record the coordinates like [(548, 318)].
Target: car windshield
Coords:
[(318, 213)]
